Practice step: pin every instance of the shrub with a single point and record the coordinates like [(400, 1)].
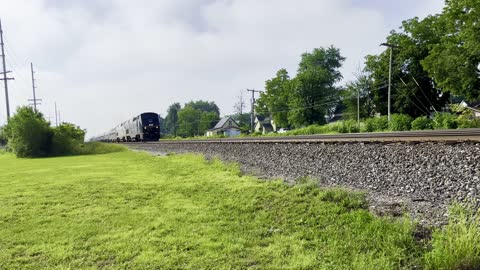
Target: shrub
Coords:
[(444, 121), (67, 139), (368, 125), (421, 123), (400, 122), (28, 134), (464, 121), (351, 126), (336, 127), (3, 139), (375, 124), (380, 123)]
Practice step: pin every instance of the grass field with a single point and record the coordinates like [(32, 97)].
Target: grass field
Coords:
[(134, 211)]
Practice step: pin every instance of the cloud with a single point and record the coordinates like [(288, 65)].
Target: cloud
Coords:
[(104, 63)]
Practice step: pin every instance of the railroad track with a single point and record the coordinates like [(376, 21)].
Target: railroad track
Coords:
[(447, 136)]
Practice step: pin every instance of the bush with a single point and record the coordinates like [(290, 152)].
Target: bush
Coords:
[(422, 123), (351, 126), (380, 123), (467, 122), (445, 121), (375, 124), (67, 139), (28, 134), (400, 122), (335, 127), (368, 125), (3, 139)]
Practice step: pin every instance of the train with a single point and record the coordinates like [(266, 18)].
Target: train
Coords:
[(141, 128)]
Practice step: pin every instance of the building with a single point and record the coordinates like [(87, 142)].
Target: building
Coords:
[(264, 125), (226, 126), (473, 106)]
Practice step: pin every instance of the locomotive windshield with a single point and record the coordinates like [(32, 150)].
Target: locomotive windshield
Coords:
[(150, 119)]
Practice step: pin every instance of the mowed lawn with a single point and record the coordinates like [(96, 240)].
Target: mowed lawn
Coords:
[(135, 211)]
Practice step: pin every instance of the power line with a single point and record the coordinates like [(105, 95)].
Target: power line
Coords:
[(23, 63), (433, 107), (415, 98)]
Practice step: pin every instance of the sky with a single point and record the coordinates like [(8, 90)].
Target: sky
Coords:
[(106, 61)]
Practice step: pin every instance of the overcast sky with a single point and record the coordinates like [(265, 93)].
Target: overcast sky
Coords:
[(105, 61)]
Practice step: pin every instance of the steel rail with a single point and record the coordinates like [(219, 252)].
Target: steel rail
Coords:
[(455, 135)]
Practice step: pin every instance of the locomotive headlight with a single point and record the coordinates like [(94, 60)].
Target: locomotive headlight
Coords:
[(157, 127)]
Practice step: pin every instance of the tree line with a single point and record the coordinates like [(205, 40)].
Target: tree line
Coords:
[(435, 62), (194, 119)]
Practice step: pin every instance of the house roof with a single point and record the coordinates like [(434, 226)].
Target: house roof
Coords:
[(260, 118), (263, 119), (474, 104), (222, 122)]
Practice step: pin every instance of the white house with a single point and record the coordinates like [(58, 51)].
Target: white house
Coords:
[(264, 125), (475, 107), (226, 126)]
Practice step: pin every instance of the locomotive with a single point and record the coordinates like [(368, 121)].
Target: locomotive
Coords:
[(143, 127)]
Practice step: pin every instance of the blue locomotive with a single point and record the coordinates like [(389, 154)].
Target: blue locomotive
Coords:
[(144, 127)]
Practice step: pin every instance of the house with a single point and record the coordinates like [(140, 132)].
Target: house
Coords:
[(474, 107), (264, 125), (226, 126)]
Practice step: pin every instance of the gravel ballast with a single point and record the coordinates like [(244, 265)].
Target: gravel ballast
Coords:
[(422, 178)]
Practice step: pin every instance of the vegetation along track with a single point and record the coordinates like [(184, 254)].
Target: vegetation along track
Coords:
[(449, 136)]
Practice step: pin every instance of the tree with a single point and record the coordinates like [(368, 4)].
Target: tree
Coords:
[(204, 106), (276, 97), (207, 121), (28, 133), (171, 121), (197, 117), (314, 92), (240, 105), (453, 61), (413, 91), (358, 91), (189, 119)]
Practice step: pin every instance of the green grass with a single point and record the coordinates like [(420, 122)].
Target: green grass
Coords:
[(134, 211), (457, 245), (92, 148)]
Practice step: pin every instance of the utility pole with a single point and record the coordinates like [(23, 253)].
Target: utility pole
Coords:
[(358, 107), (34, 100), (5, 79), (252, 122), (56, 115), (391, 46)]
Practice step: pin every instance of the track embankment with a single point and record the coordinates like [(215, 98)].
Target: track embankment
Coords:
[(420, 176)]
